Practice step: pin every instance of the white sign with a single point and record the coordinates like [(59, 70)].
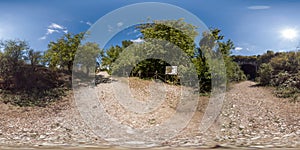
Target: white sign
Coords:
[(171, 70)]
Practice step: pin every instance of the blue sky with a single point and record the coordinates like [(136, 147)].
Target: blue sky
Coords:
[(253, 25)]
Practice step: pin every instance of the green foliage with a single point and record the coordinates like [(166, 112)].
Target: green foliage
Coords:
[(87, 56), (11, 59), (265, 74), (148, 68), (172, 34), (282, 66), (111, 55), (132, 60), (168, 35), (23, 84), (35, 57), (61, 54), (233, 71), (203, 72), (265, 58), (240, 58), (34, 97), (249, 65), (176, 32), (282, 71), (287, 85), (289, 62), (14, 50), (34, 86), (161, 38)]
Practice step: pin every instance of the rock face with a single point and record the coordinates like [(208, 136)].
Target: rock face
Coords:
[(250, 117)]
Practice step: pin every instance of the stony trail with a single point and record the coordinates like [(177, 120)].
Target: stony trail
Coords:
[(251, 117)]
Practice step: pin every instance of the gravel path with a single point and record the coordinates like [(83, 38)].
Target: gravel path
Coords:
[(251, 117)]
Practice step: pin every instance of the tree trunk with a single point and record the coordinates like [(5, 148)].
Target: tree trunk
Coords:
[(87, 70), (70, 65)]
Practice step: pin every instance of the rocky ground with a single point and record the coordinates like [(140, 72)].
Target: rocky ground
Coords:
[(250, 117)]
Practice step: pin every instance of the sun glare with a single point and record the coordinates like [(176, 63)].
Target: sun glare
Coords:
[(289, 33)]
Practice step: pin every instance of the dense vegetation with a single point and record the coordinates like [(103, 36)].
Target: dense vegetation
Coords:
[(29, 77), (23, 81), (281, 70), (181, 35)]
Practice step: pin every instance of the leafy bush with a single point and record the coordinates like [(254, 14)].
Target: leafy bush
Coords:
[(283, 72), (288, 85), (36, 87), (234, 72), (265, 73), (26, 84)]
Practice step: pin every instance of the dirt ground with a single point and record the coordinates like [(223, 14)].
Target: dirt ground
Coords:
[(251, 117)]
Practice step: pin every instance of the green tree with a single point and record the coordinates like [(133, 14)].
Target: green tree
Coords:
[(215, 56), (88, 54), (176, 32), (61, 54), (112, 54), (162, 36), (11, 59), (173, 34), (27, 84), (203, 72), (35, 57), (14, 50), (233, 70)]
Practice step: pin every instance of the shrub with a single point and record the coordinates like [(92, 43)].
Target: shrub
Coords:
[(265, 74), (35, 86), (282, 71)]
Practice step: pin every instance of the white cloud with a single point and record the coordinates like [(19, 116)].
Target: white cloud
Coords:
[(54, 28), (119, 24), (110, 28), (43, 38), (89, 23), (138, 40), (50, 31), (139, 35), (259, 7), (238, 48), (86, 22), (65, 31), (135, 31)]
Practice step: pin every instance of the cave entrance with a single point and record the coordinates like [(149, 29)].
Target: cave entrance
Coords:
[(250, 71)]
